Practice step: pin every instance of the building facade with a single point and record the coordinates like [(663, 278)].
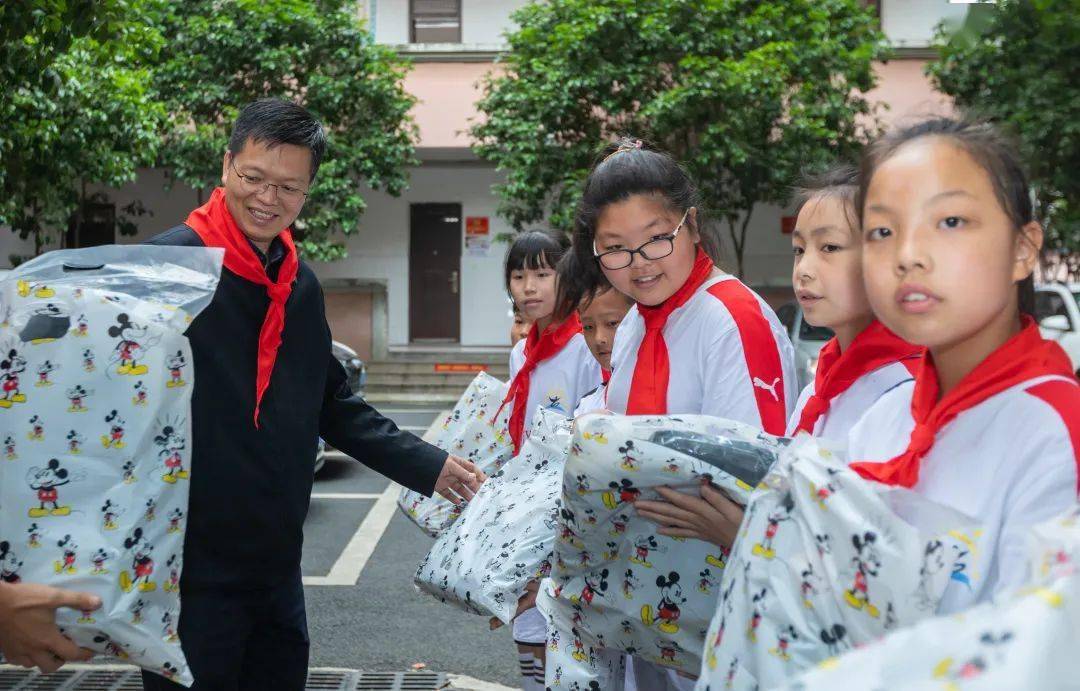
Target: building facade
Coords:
[(426, 267)]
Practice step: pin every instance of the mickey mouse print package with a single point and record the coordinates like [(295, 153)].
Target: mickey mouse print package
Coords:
[(1024, 639), (476, 429), (505, 535), (95, 419), (825, 561), (616, 585)]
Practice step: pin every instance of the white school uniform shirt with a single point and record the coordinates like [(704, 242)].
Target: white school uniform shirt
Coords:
[(592, 401), (559, 382), (848, 408), (709, 371), (1008, 462)]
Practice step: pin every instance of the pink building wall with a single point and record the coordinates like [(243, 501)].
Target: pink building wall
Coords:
[(447, 93), (904, 87)]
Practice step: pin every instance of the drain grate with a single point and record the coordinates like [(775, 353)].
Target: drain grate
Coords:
[(400, 681), (127, 679)]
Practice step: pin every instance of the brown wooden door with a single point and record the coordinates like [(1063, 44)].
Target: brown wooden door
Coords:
[(435, 272)]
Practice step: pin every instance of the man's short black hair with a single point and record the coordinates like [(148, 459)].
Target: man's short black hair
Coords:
[(273, 121)]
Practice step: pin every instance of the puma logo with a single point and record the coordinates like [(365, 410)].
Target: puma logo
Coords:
[(771, 388)]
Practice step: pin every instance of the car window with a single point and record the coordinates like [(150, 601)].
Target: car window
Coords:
[(814, 333), (1050, 303)]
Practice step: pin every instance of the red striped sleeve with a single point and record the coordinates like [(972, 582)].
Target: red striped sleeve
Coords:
[(1064, 397), (763, 363)]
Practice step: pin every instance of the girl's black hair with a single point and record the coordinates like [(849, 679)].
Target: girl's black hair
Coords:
[(841, 181), (534, 249), (577, 288), (622, 170), (992, 150)]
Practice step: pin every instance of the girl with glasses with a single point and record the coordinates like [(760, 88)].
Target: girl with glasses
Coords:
[(696, 341)]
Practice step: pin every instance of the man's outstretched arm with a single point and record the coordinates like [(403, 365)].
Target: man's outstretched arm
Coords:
[(351, 425)]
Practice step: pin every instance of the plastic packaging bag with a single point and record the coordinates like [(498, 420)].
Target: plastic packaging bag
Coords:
[(824, 561), (1026, 639), (471, 431), (617, 586), (505, 535), (95, 419)]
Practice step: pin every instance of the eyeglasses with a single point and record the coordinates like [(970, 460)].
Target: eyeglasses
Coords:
[(257, 185), (657, 248)]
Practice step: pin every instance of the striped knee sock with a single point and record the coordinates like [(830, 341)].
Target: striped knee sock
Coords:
[(527, 663)]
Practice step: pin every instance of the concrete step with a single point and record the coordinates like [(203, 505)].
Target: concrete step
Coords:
[(380, 378), (446, 353), (434, 399), (403, 367)]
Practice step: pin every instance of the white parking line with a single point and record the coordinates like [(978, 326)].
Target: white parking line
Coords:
[(352, 560)]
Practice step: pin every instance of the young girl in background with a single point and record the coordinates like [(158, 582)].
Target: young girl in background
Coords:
[(861, 363), (519, 328), (992, 424), (551, 368), (697, 340), (864, 360)]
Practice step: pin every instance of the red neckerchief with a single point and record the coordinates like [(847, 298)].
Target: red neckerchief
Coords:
[(605, 376), (873, 348), (1023, 357), (537, 349), (217, 228), (649, 384)]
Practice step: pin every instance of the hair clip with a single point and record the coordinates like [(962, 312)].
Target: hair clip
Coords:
[(637, 144)]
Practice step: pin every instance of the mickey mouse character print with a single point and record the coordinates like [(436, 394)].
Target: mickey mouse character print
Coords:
[(133, 341), (46, 481)]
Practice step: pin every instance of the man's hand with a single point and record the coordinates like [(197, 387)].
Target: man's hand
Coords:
[(712, 517), (28, 633), (459, 479)]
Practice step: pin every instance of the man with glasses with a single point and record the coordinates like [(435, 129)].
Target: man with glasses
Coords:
[(266, 388)]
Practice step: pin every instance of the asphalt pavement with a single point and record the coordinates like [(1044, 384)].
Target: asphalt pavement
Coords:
[(376, 620)]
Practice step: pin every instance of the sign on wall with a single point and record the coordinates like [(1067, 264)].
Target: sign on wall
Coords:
[(477, 236)]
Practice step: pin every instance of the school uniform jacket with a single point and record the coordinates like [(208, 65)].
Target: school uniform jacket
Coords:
[(1009, 462), (848, 407), (719, 352), (560, 382), (592, 401)]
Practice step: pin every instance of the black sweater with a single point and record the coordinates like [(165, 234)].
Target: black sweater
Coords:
[(250, 488)]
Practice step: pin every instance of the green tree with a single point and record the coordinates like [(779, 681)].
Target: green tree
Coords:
[(222, 55), (745, 93), (1017, 62), (74, 106)]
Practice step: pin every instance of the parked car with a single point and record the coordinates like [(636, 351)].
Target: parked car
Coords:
[(354, 366), (356, 372), (807, 339), (1057, 309)]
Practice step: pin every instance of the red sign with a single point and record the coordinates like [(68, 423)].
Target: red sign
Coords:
[(476, 225), (460, 367), (787, 224)]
